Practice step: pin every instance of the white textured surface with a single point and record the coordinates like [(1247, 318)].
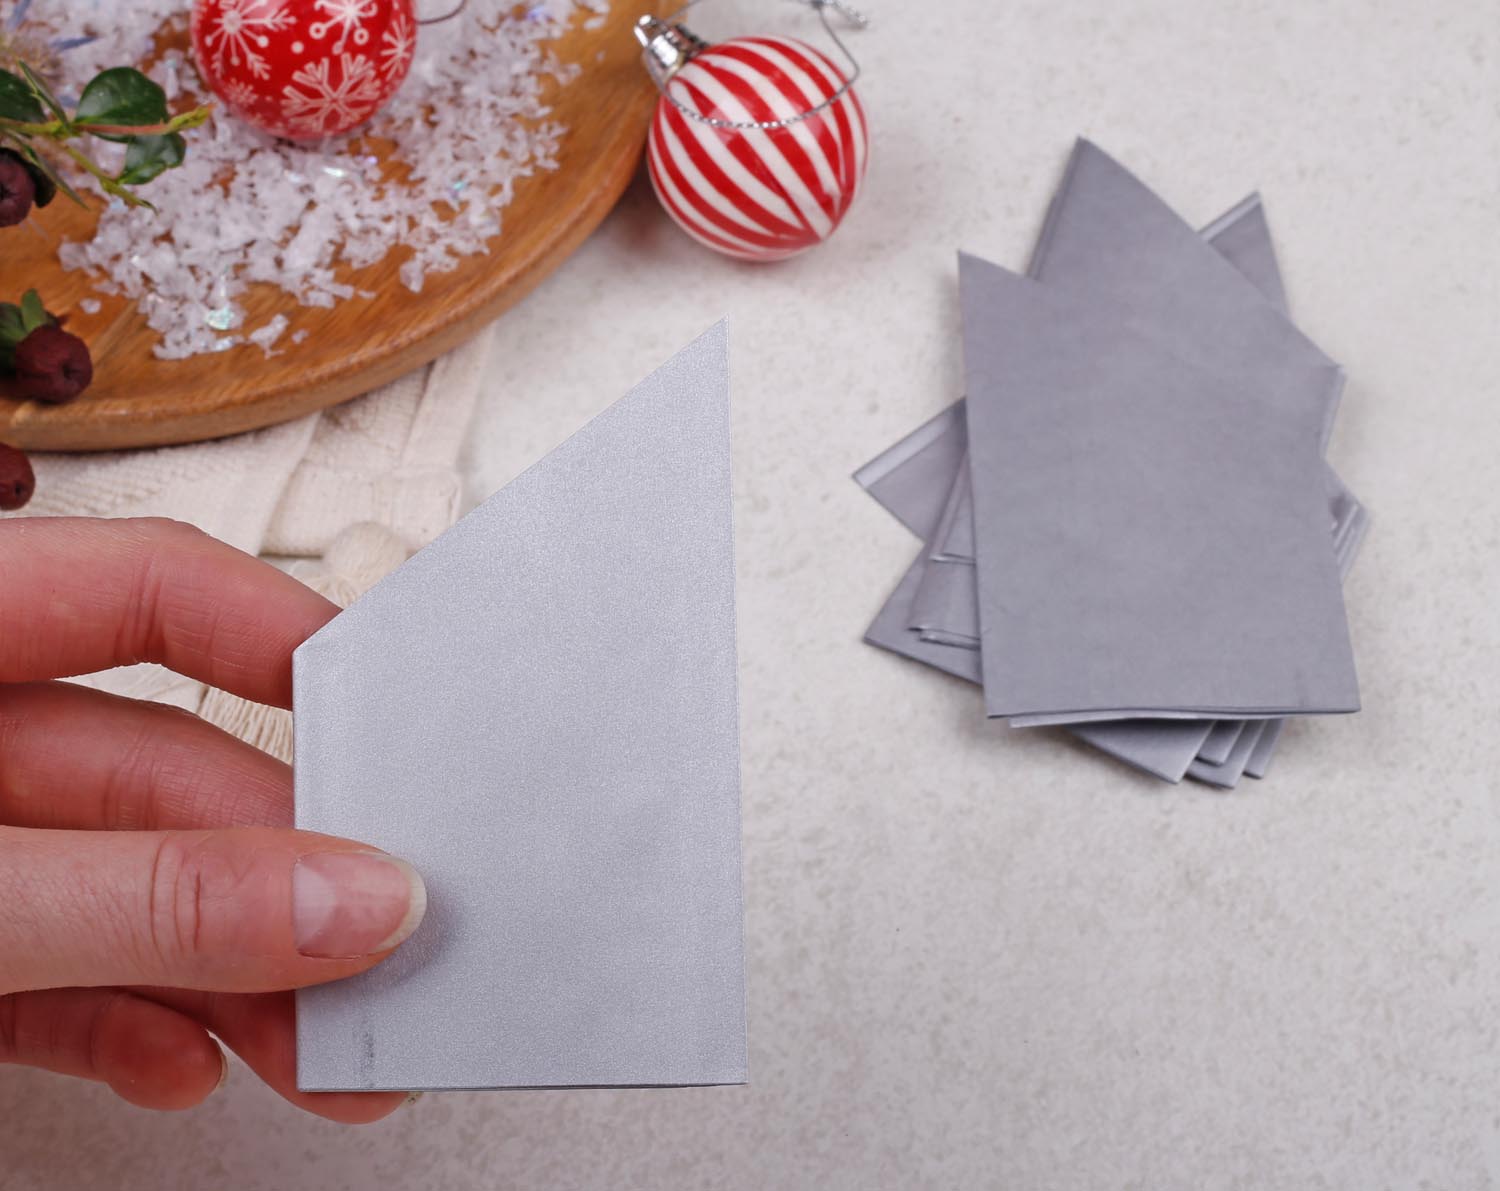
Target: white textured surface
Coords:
[(990, 959)]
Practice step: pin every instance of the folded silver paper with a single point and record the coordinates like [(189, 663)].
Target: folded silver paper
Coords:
[(539, 712), (923, 481), (1184, 492)]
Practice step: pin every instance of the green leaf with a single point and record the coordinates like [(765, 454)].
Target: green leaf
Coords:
[(148, 156), (121, 96), (12, 324), (17, 322), (40, 90), (33, 313), (12, 331), (17, 101)]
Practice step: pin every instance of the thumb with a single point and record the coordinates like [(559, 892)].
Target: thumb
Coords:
[(237, 910)]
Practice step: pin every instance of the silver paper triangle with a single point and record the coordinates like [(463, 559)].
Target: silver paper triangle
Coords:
[(538, 710)]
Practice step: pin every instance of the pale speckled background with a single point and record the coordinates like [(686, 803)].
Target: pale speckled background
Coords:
[(980, 957)]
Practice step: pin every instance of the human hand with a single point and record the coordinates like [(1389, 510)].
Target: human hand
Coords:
[(152, 886)]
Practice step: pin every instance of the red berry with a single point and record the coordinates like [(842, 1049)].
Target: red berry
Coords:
[(52, 365), (17, 481), (17, 190)]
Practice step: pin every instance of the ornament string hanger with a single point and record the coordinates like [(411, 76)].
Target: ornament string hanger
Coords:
[(456, 10), (669, 46)]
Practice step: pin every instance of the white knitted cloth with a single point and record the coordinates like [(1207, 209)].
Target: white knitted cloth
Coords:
[(390, 458)]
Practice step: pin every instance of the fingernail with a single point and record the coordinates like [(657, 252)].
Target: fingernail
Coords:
[(223, 1071), (351, 904)]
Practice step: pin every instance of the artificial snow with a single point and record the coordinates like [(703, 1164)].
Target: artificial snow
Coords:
[(248, 208)]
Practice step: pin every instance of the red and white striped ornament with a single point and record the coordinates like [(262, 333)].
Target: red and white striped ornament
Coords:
[(758, 146)]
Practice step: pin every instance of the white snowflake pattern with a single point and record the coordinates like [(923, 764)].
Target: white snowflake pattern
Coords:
[(398, 45), (333, 100), (348, 17), (240, 94), (242, 29)]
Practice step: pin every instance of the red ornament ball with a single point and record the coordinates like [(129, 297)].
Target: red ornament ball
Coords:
[(759, 194), (304, 69)]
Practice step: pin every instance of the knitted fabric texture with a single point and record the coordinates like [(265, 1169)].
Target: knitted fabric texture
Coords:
[(386, 463)]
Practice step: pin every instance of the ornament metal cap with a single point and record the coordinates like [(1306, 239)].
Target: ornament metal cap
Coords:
[(665, 47)]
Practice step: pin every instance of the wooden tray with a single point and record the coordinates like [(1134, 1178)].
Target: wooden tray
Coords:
[(137, 400)]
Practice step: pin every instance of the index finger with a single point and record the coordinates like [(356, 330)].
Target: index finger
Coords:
[(83, 594)]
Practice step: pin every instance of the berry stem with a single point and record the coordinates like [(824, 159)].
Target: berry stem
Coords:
[(58, 130), (106, 181), (120, 93)]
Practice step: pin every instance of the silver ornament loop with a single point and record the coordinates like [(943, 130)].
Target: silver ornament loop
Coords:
[(447, 16), (669, 46)]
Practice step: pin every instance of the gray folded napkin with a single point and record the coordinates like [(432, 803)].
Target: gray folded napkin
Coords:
[(1149, 528), (1100, 230)]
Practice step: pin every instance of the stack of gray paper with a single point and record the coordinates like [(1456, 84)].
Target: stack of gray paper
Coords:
[(1129, 527)]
